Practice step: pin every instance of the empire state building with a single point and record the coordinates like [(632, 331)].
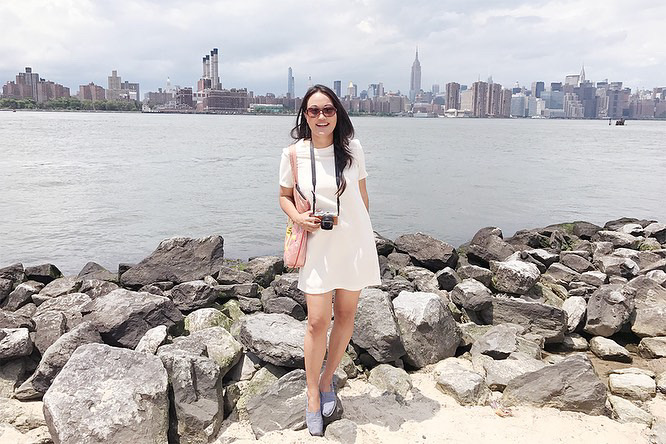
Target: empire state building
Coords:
[(415, 83)]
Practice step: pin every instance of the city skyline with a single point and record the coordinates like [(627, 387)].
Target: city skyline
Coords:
[(520, 41)]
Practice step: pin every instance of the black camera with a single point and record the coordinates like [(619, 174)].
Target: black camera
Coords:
[(326, 220)]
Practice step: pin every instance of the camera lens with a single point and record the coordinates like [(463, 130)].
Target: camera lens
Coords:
[(327, 222)]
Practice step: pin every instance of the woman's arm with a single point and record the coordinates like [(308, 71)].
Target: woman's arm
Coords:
[(364, 194), (305, 220)]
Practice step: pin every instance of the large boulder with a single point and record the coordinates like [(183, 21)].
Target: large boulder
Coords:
[(429, 332), (265, 268), (124, 316), (656, 230), (500, 341), (422, 278), (480, 274), (575, 307), (571, 384), (375, 328), (652, 348), (625, 411), (178, 259), (205, 318), (514, 276), (609, 350), (617, 266), (649, 317), (618, 239), (58, 287), (427, 251), (488, 245), (542, 319), (55, 358), (390, 379), (455, 378), (218, 343), (471, 295), (190, 296), (14, 343), (608, 309), (197, 396), (275, 338), (152, 340), (286, 306), (22, 295), (93, 270), (108, 395), (500, 372), (576, 263), (43, 273), (636, 386), (286, 286)]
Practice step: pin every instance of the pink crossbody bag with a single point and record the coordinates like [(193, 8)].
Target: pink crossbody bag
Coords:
[(296, 237)]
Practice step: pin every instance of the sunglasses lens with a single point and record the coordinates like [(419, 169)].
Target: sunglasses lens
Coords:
[(329, 111), (313, 112)]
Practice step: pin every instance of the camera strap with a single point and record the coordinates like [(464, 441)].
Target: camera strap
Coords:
[(314, 178)]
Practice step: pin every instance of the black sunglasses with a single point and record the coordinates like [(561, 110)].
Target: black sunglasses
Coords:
[(328, 111)]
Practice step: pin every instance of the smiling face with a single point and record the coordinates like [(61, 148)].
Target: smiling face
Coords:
[(321, 127)]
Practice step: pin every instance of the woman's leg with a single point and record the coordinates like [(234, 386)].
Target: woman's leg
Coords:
[(319, 318), (346, 302)]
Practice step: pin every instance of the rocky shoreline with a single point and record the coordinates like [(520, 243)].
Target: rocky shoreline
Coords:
[(185, 344)]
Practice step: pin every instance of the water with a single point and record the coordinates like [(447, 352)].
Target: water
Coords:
[(77, 187)]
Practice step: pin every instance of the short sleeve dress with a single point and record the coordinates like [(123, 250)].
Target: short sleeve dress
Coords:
[(344, 257)]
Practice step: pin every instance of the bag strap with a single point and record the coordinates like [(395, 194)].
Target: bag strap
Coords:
[(314, 179), (294, 164)]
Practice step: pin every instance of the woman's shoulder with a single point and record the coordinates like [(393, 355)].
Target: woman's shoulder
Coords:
[(355, 145), (297, 144)]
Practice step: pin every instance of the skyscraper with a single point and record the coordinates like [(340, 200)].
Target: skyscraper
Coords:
[(537, 89), (210, 76), (479, 99), (494, 100), (415, 83), (453, 95), (290, 84), (337, 87), (214, 73), (113, 87)]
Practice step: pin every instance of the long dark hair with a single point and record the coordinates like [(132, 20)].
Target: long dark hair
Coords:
[(342, 134)]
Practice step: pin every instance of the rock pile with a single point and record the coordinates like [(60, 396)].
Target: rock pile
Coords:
[(168, 349)]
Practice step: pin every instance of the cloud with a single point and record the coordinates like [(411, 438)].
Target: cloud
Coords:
[(366, 41)]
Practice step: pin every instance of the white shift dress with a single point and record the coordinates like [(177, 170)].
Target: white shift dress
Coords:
[(344, 257)]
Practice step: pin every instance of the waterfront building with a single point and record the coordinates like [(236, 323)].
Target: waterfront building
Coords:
[(184, 98), (556, 86), (573, 107), (337, 87), (91, 92), (352, 90), (660, 109), (537, 89), (290, 84), (113, 86), (466, 101), (518, 105), (553, 99), (453, 95), (159, 98), (119, 90), (29, 85), (517, 89), (494, 100), (479, 99), (415, 80), (223, 101), (505, 107), (129, 91), (587, 94)]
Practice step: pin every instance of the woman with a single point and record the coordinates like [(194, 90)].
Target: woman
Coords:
[(342, 259)]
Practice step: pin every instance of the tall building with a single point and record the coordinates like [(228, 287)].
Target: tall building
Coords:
[(119, 90), (415, 82), (453, 95), (91, 92), (556, 86), (290, 84), (113, 86), (352, 90), (479, 99), (435, 88), (505, 107), (537, 89), (494, 100), (29, 85), (518, 105), (210, 78), (466, 100), (129, 91), (337, 87)]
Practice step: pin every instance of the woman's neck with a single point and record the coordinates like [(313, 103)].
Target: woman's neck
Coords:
[(322, 142)]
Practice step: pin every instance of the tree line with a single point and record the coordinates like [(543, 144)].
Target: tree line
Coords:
[(71, 103)]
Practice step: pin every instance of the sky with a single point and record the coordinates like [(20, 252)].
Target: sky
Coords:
[(75, 42)]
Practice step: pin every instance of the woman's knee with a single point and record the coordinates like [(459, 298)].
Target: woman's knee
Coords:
[(318, 324)]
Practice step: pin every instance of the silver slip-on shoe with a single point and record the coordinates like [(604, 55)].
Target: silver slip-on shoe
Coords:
[(314, 421), (328, 400)]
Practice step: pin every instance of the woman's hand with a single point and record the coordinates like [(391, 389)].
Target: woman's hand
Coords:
[(307, 221)]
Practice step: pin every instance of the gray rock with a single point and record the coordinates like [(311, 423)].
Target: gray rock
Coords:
[(11, 373), (375, 328), (618, 239), (500, 373), (471, 332), (594, 278), (286, 306), (260, 383), (542, 256), (232, 275), (14, 343), (217, 344), (22, 295), (472, 295), (571, 384), (59, 287), (659, 265), (545, 293), (656, 230), (488, 245), (428, 252), (287, 286), (6, 287), (23, 417), (264, 269), (178, 260), (609, 350), (152, 340), (574, 342), (205, 318), (617, 266), (95, 271), (659, 276), (249, 305), (343, 431), (17, 319), (96, 287), (422, 278), (632, 386), (391, 380), (281, 407), (585, 230), (384, 245), (481, 274), (545, 320), (456, 379), (275, 338), (124, 316), (661, 382), (514, 276), (652, 348), (575, 307), (498, 342), (650, 244), (650, 302), (126, 390), (55, 358), (246, 367), (237, 291), (427, 328), (43, 273), (70, 305), (397, 261), (193, 295), (447, 278), (197, 396), (625, 411), (48, 328), (608, 309), (14, 273), (576, 263), (561, 274)]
